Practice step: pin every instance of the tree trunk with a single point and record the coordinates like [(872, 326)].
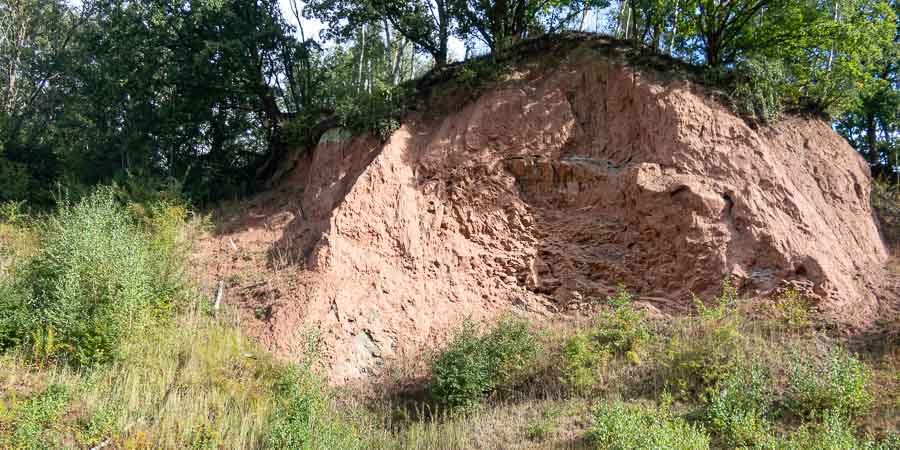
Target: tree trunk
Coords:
[(20, 22), (412, 62), (674, 30), (362, 55), (871, 136), (397, 66), (627, 22), (443, 33), (712, 51)]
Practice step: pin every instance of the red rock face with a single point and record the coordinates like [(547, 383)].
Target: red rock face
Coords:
[(554, 187)]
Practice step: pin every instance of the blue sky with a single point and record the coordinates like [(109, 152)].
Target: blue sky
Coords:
[(313, 27), (596, 21)]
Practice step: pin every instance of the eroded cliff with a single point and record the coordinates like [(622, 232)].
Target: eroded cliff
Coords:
[(541, 194)]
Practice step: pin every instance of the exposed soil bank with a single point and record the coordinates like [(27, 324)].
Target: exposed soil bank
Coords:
[(542, 194)]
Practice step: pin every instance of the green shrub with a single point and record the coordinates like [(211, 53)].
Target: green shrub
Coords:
[(13, 212), (96, 280), (166, 222), (475, 365), (385, 127), (14, 180), (33, 422), (737, 411), (377, 112), (834, 432), (480, 73), (837, 385), (13, 315), (622, 332), (790, 309), (625, 427), (758, 89), (708, 349), (303, 419), (582, 362)]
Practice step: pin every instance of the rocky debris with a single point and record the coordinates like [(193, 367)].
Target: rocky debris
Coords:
[(551, 189)]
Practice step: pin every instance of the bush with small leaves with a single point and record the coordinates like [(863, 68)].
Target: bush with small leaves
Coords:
[(91, 284), (13, 212), (833, 432), (736, 412), (582, 362), (15, 319), (837, 385), (99, 278), (709, 351), (32, 423), (462, 374), (622, 332), (474, 365), (625, 427), (758, 89), (479, 73), (303, 419), (790, 310)]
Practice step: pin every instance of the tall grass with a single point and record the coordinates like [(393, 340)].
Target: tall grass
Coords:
[(195, 380), (107, 342), (97, 279), (733, 375)]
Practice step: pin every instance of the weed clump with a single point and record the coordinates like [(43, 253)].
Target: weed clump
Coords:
[(711, 349), (543, 428), (33, 421), (302, 418), (738, 409), (837, 385), (474, 365), (622, 332), (98, 278), (832, 432), (626, 427)]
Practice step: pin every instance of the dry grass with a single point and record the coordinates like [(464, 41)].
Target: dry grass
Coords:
[(884, 415), (184, 383), (893, 264), (198, 382), (544, 413), (524, 423), (17, 242), (193, 380)]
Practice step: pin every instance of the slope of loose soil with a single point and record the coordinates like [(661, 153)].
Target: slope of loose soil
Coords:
[(540, 195)]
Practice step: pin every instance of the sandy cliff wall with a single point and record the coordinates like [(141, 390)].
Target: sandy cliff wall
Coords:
[(548, 191)]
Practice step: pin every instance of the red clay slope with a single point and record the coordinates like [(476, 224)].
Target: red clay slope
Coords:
[(549, 189)]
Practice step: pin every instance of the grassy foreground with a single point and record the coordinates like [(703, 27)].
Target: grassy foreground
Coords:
[(107, 343)]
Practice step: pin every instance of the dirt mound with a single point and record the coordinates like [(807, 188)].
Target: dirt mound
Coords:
[(541, 194)]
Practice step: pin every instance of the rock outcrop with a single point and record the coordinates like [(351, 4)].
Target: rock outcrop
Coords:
[(548, 190)]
